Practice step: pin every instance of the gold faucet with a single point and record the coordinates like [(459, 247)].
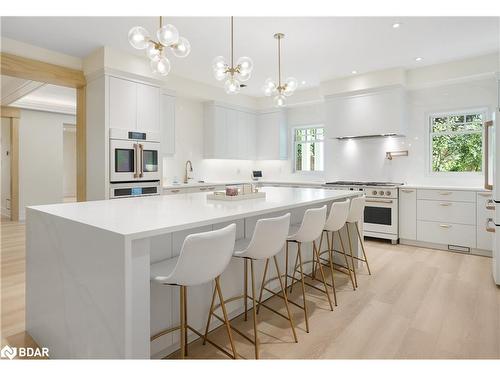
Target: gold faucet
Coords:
[(186, 178)]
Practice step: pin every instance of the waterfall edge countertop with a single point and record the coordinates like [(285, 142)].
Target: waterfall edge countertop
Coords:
[(149, 216)]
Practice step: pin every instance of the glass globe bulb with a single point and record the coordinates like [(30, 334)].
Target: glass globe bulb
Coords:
[(219, 63), (139, 37), (246, 64), (232, 86), (279, 100), (152, 52), (168, 35), (181, 48), (292, 83), (220, 74), (161, 66), (243, 77), (269, 87)]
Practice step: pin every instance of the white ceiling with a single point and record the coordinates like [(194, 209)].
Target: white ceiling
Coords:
[(314, 50)]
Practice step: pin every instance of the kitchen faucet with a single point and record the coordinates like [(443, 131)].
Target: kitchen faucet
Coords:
[(186, 178)]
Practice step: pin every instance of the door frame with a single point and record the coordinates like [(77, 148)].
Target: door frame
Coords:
[(25, 68), (13, 114)]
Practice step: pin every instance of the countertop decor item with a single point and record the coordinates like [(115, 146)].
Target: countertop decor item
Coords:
[(168, 36), (233, 75), (280, 90)]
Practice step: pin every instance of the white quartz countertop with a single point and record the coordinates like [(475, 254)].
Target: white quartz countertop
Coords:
[(239, 182), (143, 217), (441, 187)]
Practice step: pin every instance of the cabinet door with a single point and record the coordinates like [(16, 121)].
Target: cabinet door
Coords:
[(122, 104), (232, 138), (484, 239), (167, 124), (219, 136), (148, 108), (272, 136), (250, 138), (408, 214)]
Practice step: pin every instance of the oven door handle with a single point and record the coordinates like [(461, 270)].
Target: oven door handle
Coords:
[(379, 200), (136, 174), (141, 151)]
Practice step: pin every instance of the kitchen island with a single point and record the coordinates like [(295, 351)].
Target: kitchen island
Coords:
[(88, 291)]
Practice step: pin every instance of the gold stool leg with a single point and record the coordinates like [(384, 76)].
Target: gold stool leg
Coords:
[(294, 269), (286, 266), (299, 256), (286, 300), (330, 257), (262, 285), (183, 322), (210, 315), (345, 257), (245, 286), (224, 313), (254, 311), (363, 248), (322, 273), (352, 257)]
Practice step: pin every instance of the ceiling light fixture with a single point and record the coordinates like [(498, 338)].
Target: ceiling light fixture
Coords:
[(396, 25), (233, 75), (168, 36), (418, 59), (354, 72), (281, 90)]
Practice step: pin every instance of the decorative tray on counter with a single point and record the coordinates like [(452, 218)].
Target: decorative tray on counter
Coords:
[(221, 196)]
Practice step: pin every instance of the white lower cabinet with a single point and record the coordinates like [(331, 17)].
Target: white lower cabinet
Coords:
[(447, 211), (408, 214), (485, 214), (446, 233)]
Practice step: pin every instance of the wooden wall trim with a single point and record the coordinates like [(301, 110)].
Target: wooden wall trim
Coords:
[(14, 168), (22, 67), (10, 112)]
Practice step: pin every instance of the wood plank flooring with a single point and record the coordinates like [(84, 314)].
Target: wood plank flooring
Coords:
[(419, 303)]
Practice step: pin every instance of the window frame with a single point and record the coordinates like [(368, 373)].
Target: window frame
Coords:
[(293, 147), (429, 135)]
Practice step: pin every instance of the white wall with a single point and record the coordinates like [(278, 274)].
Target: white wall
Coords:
[(41, 158), (69, 160), (5, 167)]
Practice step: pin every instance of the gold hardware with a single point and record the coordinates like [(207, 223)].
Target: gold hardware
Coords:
[(378, 200), (488, 228), (445, 204), (390, 154), (136, 157), (407, 190), (445, 193), (487, 125), (141, 151), (175, 190), (445, 225), (186, 178)]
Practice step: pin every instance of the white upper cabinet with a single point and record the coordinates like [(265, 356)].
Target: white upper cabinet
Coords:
[(272, 136), (133, 105), (122, 104), (148, 108), (229, 133), (365, 113), (167, 123)]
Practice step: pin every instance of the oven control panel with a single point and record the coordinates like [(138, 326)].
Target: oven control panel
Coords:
[(390, 193)]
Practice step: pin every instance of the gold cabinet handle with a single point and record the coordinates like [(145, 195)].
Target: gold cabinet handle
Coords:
[(211, 188), (445, 204), (175, 191), (203, 188), (445, 193), (488, 228), (407, 190), (445, 226)]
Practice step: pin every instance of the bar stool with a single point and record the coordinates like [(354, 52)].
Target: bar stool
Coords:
[(203, 258), (310, 229), (356, 214), (336, 220), (267, 240)]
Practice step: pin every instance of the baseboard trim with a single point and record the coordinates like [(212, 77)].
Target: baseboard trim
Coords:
[(437, 246)]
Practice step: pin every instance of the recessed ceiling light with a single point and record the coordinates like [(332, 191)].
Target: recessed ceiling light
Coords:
[(303, 82), (396, 25), (354, 72), (418, 59)]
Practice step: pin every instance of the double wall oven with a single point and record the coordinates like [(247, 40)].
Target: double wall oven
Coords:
[(135, 167), (381, 210)]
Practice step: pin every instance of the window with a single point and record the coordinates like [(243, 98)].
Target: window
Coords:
[(456, 141), (308, 149)]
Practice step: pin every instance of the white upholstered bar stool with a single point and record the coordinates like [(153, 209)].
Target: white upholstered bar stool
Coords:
[(309, 230), (203, 258), (336, 220), (356, 214), (267, 240)]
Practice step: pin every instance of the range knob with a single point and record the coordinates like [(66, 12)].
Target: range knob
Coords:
[(381, 192), (387, 192), (374, 192)]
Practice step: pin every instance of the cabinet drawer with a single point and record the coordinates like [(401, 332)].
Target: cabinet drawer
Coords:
[(447, 195), (446, 211), (446, 233), (173, 191)]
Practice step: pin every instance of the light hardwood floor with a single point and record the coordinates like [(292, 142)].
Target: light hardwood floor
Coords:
[(419, 303)]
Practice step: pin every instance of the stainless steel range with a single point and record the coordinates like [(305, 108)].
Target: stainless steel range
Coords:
[(381, 211)]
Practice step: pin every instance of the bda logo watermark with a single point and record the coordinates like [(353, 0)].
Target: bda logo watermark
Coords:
[(11, 352)]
